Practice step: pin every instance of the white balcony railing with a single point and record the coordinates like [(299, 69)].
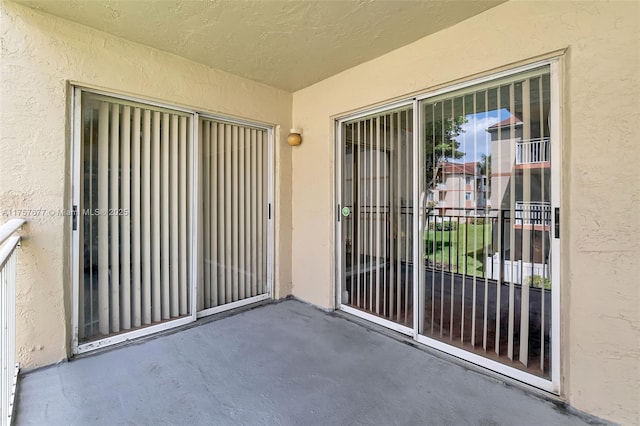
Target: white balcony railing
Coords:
[(533, 213), (9, 367), (532, 151)]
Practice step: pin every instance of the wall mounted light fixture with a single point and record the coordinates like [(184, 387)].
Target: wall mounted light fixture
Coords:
[(295, 137)]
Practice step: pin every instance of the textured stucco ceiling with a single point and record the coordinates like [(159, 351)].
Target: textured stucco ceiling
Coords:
[(286, 44)]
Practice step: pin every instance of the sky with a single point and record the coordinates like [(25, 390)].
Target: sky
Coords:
[(475, 134)]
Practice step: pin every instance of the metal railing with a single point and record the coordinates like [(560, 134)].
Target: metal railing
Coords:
[(470, 243), (486, 285), (9, 367), (533, 151), (533, 213), (457, 242)]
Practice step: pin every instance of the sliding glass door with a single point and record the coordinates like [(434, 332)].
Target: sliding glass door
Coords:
[(487, 234), (172, 217), (236, 214), (377, 216), (134, 216), (450, 232)]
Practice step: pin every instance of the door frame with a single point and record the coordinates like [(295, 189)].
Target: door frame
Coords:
[(553, 385), (76, 89)]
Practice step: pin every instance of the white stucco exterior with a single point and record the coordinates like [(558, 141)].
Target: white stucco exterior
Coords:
[(599, 47), (598, 43)]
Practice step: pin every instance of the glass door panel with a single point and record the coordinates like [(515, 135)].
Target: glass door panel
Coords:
[(486, 165), (235, 196), (377, 215), (134, 216)]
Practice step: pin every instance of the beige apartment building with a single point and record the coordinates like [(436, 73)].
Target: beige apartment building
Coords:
[(490, 145), (460, 189)]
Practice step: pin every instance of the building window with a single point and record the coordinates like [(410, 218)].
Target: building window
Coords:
[(467, 196)]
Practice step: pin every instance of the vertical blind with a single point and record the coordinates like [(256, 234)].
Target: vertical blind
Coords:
[(235, 208), (134, 215)]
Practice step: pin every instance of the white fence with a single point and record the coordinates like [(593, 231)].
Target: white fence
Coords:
[(516, 271), (9, 367)]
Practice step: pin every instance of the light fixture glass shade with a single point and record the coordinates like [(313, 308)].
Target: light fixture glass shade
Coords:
[(294, 138)]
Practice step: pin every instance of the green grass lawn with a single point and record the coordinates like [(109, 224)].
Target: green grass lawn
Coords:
[(468, 242)]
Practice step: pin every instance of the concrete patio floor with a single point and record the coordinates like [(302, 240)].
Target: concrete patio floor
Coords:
[(279, 364)]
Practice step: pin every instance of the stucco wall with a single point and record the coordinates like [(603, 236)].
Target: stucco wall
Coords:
[(600, 184), (40, 53)]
